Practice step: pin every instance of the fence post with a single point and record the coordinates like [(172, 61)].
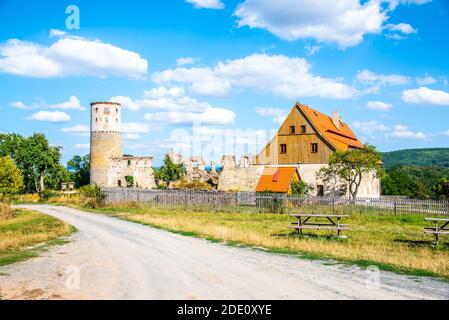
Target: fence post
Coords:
[(333, 205), (395, 207)]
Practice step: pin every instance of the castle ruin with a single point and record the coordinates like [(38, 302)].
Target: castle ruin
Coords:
[(108, 166)]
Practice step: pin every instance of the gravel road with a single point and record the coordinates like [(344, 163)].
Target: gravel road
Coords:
[(110, 258)]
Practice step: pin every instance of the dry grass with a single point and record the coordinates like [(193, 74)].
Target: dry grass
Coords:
[(27, 229), (393, 242), (5, 211)]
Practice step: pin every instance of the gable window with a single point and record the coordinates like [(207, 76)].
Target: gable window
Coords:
[(283, 148), (292, 129), (303, 129), (314, 147)]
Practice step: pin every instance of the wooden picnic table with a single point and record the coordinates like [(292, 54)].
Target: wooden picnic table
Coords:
[(333, 222), (440, 227)]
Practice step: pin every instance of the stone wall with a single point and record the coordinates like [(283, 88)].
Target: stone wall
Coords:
[(241, 177), (369, 187), (140, 168), (103, 146)]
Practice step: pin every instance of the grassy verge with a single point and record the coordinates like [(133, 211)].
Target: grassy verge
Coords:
[(28, 234), (394, 243)]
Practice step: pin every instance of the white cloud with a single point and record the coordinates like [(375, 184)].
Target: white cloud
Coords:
[(395, 3), (370, 127), (277, 114), (79, 129), (368, 77), (21, 105), (379, 105), (57, 33), (207, 117), (426, 80), (50, 116), (279, 74), (135, 128), (72, 104), (399, 31), (424, 95), (404, 28), (82, 146), (446, 133), (206, 4), (403, 132), (70, 56), (185, 61), (131, 136), (174, 106), (343, 22), (312, 49)]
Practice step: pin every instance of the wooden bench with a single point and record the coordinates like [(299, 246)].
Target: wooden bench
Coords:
[(333, 222), (437, 229)]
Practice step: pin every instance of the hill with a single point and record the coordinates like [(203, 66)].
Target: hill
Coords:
[(417, 157)]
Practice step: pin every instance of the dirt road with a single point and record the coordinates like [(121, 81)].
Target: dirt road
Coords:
[(113, 259)]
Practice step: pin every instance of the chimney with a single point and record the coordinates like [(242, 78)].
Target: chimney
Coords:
[(336, 119)]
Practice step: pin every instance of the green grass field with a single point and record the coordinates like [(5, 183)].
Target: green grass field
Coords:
[(29, 233)]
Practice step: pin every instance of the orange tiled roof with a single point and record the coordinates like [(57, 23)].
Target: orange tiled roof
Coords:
[(341, 138), (276, 179)]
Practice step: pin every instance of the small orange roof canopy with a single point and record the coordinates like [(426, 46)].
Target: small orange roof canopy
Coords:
[(341, 138), (276, 179)]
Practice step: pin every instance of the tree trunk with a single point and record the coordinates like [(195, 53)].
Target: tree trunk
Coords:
[(41, 182)]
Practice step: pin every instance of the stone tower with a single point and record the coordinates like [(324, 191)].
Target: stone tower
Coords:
[(105, 139)]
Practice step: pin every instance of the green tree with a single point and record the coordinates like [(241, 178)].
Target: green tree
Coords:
[(38, 160), (350, 166), (300, 188), (170, 171), (11, 179), (9, 144), (415, 181), (79, 168)]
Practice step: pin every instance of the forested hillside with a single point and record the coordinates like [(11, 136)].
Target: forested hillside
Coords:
[(418, 173), (417, 157)]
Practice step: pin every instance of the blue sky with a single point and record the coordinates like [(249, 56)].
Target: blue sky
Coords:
[(233, 67)]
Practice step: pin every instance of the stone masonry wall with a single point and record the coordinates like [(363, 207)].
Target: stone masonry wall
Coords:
[(103, 146)]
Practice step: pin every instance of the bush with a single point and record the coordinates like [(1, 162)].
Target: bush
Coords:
[(194, 185), (92, 195), (273, 202), (47, 195), (300, 188), (5, 211)]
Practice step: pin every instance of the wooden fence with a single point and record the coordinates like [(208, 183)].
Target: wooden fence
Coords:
[(276, 203)]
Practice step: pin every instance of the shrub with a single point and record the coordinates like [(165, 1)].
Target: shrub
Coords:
[(194, 185), (92, 195), (47, 195), (5, 211), (273, 202), (300, 188)]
